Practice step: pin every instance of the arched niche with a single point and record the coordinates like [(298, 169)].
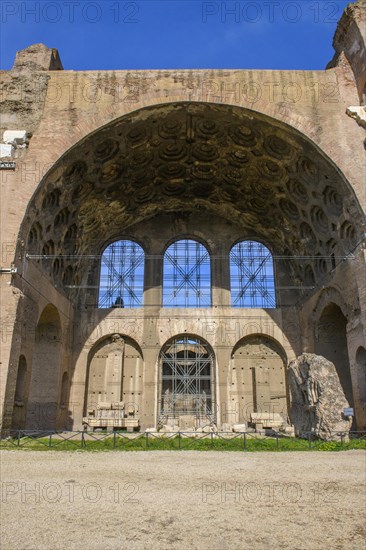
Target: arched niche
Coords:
[(187, 387), (20, 396), (331, 343), (258, 379), (43, 401), (115, 367)]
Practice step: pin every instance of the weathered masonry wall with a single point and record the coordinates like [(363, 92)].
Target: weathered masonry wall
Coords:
[(47, 113)]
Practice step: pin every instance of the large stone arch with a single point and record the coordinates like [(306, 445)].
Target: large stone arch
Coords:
[(321, 95), (253, 175), (230, 162), (327, 296)]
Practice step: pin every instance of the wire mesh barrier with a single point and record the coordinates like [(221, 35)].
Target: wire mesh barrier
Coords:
[(187, 279), (122, 275), (226, 441), (187, 371), (252, 276)]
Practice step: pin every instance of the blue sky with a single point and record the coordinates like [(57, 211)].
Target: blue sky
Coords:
[(150, 34)]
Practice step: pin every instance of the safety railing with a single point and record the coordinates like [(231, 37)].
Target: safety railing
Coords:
[(181, 440)]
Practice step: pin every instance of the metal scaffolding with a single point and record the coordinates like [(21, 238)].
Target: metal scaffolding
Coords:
[(187, 277), (252, 276), (122, 275), (186, 381)]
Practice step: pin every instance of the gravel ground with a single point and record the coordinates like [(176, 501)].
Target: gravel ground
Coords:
[(182, 500)]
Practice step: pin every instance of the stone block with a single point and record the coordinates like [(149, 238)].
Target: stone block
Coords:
[(186, 422), (168, 428), (226, 427), (104, 405), (188, 433), (132, 409), (239, 428), (118, 406), (207, 429), (318, 398), (267, 420), (358, 113), (15, 137), (37, 57), (6, 150)]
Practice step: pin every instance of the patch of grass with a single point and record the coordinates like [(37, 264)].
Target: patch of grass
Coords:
[(338, 445), (203, 442)]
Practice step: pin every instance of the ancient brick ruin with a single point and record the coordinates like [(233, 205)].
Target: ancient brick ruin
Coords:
[(172, 240)]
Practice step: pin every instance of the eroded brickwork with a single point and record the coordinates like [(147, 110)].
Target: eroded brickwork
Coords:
[(154, 156)]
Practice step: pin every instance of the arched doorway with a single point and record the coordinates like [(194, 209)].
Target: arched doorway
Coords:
[(331, 343), (186, 383), (43, 401), (258, 379)]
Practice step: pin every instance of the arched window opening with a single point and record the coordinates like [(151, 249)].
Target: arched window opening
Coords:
[(252, 276), (187, 277), (122, 276), (186, 382)]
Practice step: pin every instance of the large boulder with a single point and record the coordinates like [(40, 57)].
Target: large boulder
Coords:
[(317, 397)]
